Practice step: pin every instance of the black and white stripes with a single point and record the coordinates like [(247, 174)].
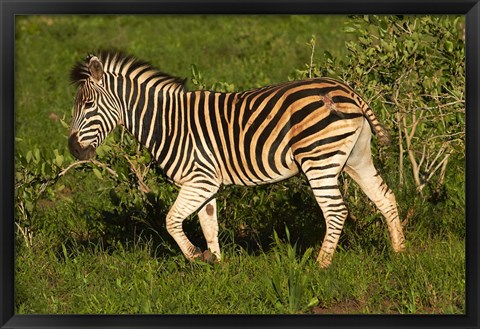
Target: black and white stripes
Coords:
[(203, 139)]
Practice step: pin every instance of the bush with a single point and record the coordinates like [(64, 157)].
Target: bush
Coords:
[(411, 70)]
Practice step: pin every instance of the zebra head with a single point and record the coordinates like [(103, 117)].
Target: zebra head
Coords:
[(95, 110)]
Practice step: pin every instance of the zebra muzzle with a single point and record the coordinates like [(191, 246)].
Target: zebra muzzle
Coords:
[(79, 152)]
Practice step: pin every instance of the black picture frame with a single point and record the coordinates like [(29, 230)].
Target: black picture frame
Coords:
[(10, 8)]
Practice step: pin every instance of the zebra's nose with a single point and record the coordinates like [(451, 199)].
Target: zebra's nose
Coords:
[(79, 152)]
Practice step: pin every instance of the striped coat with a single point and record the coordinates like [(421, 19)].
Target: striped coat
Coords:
[(203, 139)]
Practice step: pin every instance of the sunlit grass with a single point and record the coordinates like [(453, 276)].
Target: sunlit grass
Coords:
[(132, 279)]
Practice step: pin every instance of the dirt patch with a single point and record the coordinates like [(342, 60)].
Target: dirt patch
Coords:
[(343, 307), (354, 306), (44, 204), (47, 203)]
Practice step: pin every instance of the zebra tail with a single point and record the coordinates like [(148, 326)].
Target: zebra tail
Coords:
[(382, 134)]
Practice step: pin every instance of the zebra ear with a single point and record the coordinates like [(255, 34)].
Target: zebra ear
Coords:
[(95, 68)]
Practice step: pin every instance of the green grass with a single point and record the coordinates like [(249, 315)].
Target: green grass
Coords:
[(131, 278), (94, 246)]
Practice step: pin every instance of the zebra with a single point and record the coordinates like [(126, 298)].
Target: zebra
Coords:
[(204, 139)]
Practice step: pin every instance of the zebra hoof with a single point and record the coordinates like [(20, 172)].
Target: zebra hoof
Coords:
[(209, 257), (399, 249), (324, 259), (197, 254), (206, 256)]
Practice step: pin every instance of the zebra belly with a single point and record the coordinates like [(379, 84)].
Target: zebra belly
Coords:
[(242, 175), (270, 180)]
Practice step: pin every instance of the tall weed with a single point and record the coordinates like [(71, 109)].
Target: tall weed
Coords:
[(288, 286)]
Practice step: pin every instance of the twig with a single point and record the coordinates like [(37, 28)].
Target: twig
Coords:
[(439, 153), (312, 45), (423, 156), (26, 233), (442, 164), (95, 162), (141, 185)]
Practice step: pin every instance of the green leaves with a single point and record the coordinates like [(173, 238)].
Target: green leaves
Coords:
[(197, 78), (349, 29), (33, 156), (35, 176), (448, 45), (411, 69), (103, 150), (59, 158), (97, 173), (200, 83)]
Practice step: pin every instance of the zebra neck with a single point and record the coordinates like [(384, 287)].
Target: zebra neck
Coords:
[(156, 119)]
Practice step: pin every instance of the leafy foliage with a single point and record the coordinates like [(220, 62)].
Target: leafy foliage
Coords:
[(412, 71)]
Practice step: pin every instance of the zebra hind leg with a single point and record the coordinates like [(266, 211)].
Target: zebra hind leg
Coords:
[(322, 169), (360, 167), (375, 188), (377, 191)]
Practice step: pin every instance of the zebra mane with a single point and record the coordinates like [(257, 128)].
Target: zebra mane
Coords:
[(112, 62)]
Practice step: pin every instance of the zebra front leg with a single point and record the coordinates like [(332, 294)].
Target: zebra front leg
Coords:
[(189, 199), (208, 221)]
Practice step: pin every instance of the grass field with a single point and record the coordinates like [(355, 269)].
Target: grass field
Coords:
[(91, 247)]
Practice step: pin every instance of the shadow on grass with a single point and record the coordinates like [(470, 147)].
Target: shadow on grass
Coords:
[(247, 219), (249, 227)]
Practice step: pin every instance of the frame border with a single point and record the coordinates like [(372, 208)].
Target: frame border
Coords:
[(10, 8)]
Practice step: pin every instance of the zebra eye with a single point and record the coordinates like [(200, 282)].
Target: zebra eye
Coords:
[(88, 105)]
